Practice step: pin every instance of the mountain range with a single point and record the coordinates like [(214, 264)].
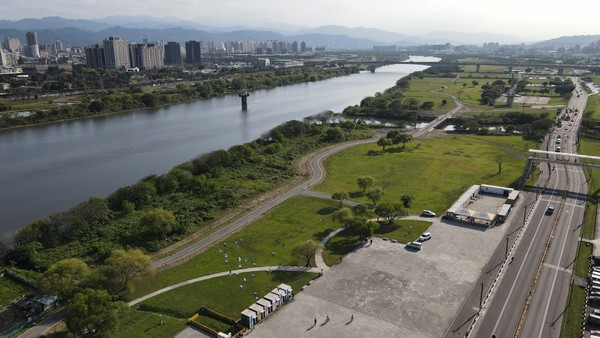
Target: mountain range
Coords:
[(137, 28)]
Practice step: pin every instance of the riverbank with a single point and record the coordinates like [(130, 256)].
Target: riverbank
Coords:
[(134, 98)]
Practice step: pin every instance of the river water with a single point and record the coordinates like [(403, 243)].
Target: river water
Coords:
[(50, 168)]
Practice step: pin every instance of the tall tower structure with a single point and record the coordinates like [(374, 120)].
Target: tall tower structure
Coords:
[(116, 53), (33, 48), (244, 92), (192, 52)]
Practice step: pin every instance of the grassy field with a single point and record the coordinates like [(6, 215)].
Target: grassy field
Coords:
[(403, 231), (224, 294), (279, 231), (10, 290), (147, 324), (571, 324), (582, 262), (591, 147), (593, 106), (436, 172)]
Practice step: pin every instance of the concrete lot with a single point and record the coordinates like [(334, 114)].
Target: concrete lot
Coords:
[(390, 290)]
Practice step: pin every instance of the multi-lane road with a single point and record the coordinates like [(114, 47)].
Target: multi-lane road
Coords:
[(530, 296)]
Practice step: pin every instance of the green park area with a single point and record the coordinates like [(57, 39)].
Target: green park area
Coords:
[(9, 290), (138, 323), (435, 171), (269, 241), (227, 295), (346, 241)]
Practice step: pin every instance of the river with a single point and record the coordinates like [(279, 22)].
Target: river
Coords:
[(50, 168)]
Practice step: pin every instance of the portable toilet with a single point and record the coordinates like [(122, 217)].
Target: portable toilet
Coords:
[(288, 292), (266, 304), (280, 294), (274, 299), (248, 318), (259, 311)]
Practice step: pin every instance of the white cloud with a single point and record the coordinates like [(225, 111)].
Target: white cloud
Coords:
[(539, 18)]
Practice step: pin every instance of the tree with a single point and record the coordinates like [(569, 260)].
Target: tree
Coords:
[(94, 313), (365, 182), (363, 227), (407, 200), (158, 221), (64, 277), (124, 267), (404, 138), (384, 142), (340, 196), (344, 216), (444, 102), (390, 211), (375, 195), (427, 105), (499, 161), (306, 251)]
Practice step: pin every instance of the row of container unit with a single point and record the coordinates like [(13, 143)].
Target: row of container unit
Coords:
[(263, 307)]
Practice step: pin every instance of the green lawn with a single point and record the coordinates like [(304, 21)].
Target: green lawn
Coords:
[(582, 262), (279, 231), (9, 290), (147, 324), (339, 246), (591, 147), (403, 231), (572, 320), (224, 294), (593, 106), (436, 172)]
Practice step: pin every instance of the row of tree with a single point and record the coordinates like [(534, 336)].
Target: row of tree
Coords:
[(161, 209), (129, 96)]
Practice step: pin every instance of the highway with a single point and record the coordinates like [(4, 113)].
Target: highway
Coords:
[(548, 304), (530, 296)]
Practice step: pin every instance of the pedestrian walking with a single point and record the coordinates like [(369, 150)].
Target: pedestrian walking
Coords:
[(315, 321), (352, 317)]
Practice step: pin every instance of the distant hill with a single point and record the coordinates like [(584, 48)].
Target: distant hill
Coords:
[(137, 28), (52, 22), (569, 41)]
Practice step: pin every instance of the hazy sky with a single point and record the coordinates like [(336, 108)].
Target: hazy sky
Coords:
[(525, 18)]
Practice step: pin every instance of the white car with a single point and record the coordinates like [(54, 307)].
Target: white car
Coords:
[(428, 213), (424, 237), (414, 245)]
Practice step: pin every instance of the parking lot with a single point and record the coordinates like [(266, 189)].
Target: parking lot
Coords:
[(387, 290)]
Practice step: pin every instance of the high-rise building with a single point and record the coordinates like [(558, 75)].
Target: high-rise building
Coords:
[(192, 52), (116, 53), (33, 49), (147, 55), (3, 61), (173, 53), (11, 44), (95, 56)]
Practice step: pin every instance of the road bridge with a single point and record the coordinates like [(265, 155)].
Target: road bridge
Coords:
[(509, 65)]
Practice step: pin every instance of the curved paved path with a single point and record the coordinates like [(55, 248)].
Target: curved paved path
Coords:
[(316, 165)]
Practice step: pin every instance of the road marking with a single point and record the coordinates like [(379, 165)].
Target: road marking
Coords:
[(566, 239), (555, 267), (520, 269)]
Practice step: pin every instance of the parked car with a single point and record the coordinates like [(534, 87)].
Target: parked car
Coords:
[(424, 237), (428, 213), (557, 149), (550, 209), (414, 245)]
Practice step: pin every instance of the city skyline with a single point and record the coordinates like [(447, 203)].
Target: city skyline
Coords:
[(534, 20)]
